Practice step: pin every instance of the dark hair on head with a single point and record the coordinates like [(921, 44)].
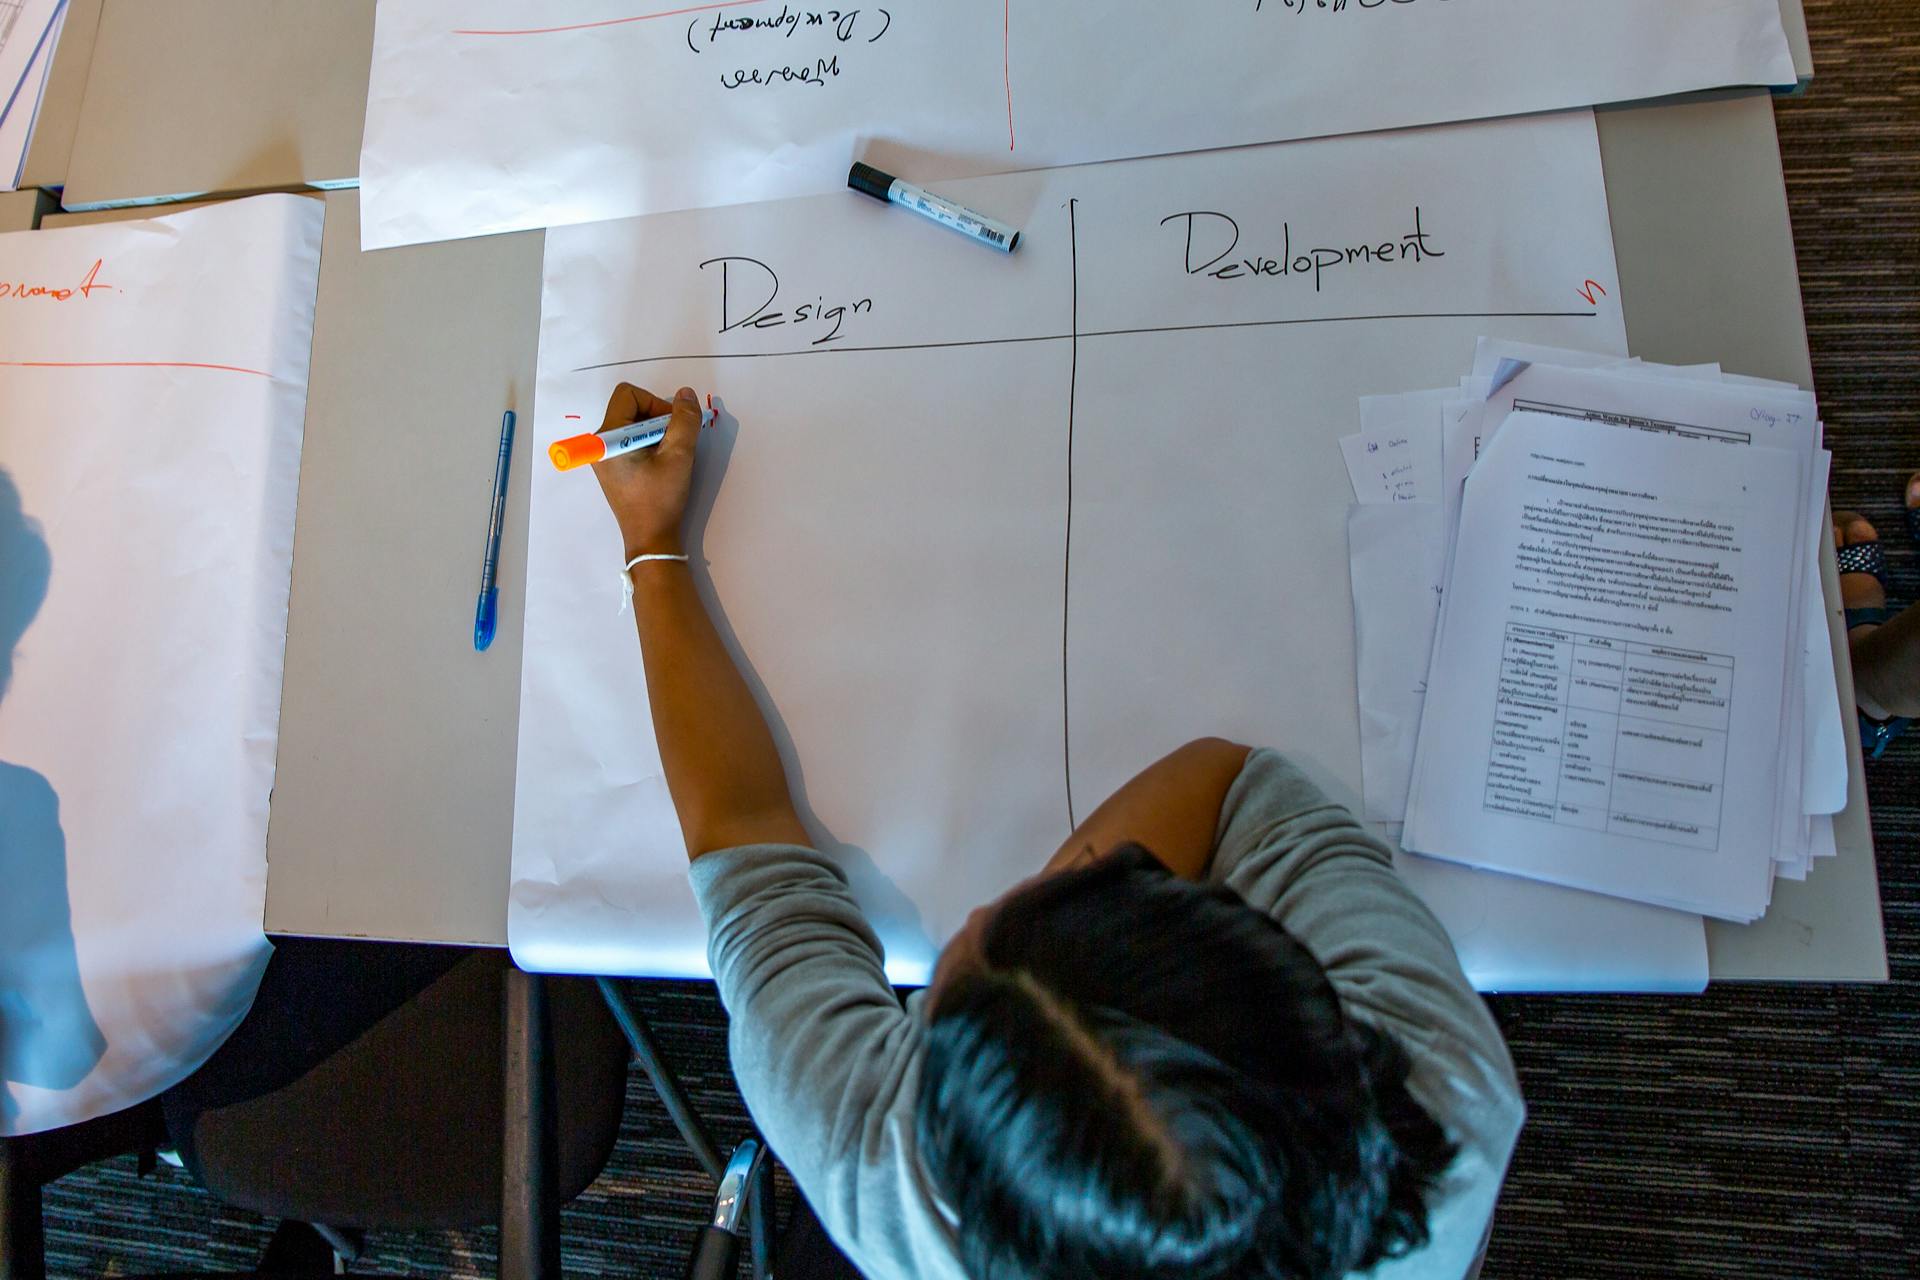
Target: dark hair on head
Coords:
[(1150, 1078)]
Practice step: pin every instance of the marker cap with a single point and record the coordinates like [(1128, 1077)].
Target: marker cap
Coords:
[(486, 617), (870, 181), (577, 451)]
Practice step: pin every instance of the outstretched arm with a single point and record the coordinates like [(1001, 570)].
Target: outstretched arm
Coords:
[(1172, 807), (728, 785)]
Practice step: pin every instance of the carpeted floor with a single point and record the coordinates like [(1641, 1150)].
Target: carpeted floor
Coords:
[(1754, 1132)]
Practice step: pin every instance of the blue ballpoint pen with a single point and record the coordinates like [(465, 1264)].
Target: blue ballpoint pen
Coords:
[(486, 613)]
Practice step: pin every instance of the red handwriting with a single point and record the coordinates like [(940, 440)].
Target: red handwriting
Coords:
[(1006, 63), (130, 364), (609, 22), (1588, 289), (56, 293)]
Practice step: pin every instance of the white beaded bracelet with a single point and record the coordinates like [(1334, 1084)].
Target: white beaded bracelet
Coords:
[(626, 576)]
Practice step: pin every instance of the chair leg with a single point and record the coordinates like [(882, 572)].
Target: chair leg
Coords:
[(297, 1249), (347, 1243), (530, 1159), (761, 1226), (23, 1253), (672, 1096)]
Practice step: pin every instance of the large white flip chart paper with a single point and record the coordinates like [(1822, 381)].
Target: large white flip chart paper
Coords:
[(153, 384), (992, 533), (498, 115)]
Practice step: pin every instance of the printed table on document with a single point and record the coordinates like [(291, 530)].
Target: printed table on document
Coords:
[(1610, 735)]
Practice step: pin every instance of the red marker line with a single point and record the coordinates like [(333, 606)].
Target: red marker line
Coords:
[(129, 364), (608, 22), (1006, 64)]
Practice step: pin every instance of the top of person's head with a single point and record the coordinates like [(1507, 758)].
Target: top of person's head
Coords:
[(1141, 1077), (24, 568)]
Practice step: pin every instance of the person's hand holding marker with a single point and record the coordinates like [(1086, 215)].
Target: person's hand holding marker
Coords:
[(648, 488)]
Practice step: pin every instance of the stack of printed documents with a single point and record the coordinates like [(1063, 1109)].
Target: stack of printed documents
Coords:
[(29, 31), (1591, 636)]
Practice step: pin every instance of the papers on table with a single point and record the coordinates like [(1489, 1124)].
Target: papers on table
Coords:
[(498, 115), (152, 394), (1589, 585), (1610, 665), (1512, 934), (1126, 559), (29, 31)]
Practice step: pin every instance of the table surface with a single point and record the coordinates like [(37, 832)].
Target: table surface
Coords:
[(20, 210), (209, 96), (392, 814)]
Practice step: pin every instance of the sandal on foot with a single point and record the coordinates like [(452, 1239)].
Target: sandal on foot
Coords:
[(1877, 735), (1867, 557)]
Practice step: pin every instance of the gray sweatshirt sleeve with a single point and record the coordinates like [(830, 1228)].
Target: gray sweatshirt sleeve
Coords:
[(1289, 850), (827, 1058)]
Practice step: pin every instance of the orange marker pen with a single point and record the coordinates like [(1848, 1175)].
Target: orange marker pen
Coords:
[(581, 451)]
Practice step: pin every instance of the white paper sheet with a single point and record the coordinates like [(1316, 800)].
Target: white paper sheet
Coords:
[(1397, 563), (1512, 934), (953, 674), (1394, 466), (1731, 412), (1824, 773), (1463, 419), (1583, 721), (152, 395), (498, 115), (20, 98), (24, 26)]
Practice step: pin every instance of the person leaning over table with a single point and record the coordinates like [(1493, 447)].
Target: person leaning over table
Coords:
[(1214, 1035)]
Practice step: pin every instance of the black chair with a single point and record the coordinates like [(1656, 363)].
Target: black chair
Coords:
[(378, 1086), (383, 1086), (29, 1163)]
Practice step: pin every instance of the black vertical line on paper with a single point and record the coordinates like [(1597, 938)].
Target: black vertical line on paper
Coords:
[(1066, 585)]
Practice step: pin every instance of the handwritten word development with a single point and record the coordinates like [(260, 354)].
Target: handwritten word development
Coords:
[(1213, 250), (21, 290), (837, 26)]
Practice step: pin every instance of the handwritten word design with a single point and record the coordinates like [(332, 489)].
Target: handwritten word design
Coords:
[(57, 293), (1207, 228), (751, 277)]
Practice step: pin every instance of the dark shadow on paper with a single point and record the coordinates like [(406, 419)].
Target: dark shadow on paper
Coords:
[(48, 1038), (887, 907)]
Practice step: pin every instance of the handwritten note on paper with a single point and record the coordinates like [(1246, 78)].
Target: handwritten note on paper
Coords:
[(152, 393), (499, 115), (1385, 468), (971, 625)]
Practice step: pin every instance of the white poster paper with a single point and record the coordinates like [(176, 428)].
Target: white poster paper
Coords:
[(992, 533), (498, 115), (1519, 935), (152, 394)]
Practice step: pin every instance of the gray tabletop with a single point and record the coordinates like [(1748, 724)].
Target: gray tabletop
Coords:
[(21, 210), (194, 97)]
